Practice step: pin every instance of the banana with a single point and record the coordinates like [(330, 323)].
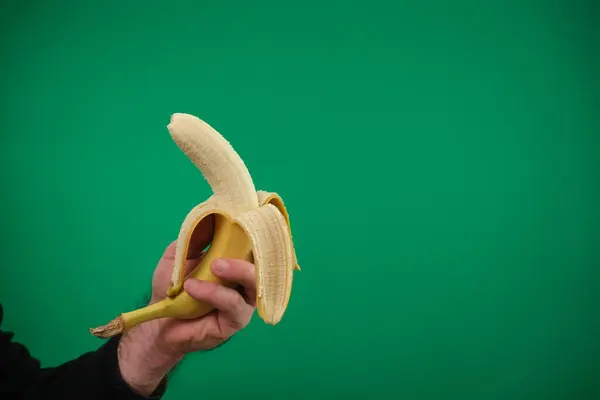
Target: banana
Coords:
[(249, 224)]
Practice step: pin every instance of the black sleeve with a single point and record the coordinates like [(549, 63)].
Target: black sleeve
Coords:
[(93, 375)]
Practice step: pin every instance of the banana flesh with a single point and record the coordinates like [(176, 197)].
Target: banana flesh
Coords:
[(249, 224)]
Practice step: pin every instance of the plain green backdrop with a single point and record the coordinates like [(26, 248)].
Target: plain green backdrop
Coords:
[(439, 160)]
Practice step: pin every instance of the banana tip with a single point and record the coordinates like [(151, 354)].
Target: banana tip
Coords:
[(175, 120), (177, 117)]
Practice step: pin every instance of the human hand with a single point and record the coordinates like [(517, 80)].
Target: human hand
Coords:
[(148, 352)]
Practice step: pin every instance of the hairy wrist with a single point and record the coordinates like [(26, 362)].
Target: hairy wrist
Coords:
[(143, 361)]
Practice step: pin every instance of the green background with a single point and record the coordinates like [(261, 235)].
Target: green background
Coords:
[(439, 160)]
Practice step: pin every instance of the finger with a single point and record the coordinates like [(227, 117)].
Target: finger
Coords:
[(238, 271), (169, 253), (226, 300)]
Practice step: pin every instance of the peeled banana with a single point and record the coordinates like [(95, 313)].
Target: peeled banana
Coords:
[(249, 224)]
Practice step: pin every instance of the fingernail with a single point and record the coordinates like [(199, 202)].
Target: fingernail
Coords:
[(220, 266)]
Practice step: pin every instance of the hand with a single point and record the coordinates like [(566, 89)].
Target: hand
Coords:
[(148, 352)]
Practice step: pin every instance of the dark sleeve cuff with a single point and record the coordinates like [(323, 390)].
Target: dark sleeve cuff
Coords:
[(121, 390)]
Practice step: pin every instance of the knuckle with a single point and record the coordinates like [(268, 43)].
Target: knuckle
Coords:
[(248, 314), (236, 324), (236, 302), (242, 319)]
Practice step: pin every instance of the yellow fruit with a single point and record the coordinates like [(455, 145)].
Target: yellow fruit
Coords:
[(249, 224)]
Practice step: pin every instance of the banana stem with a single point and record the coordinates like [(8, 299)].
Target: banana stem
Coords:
[(129, 320), (111, 329)]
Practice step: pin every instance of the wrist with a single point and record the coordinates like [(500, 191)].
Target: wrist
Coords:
[(143, 361)]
